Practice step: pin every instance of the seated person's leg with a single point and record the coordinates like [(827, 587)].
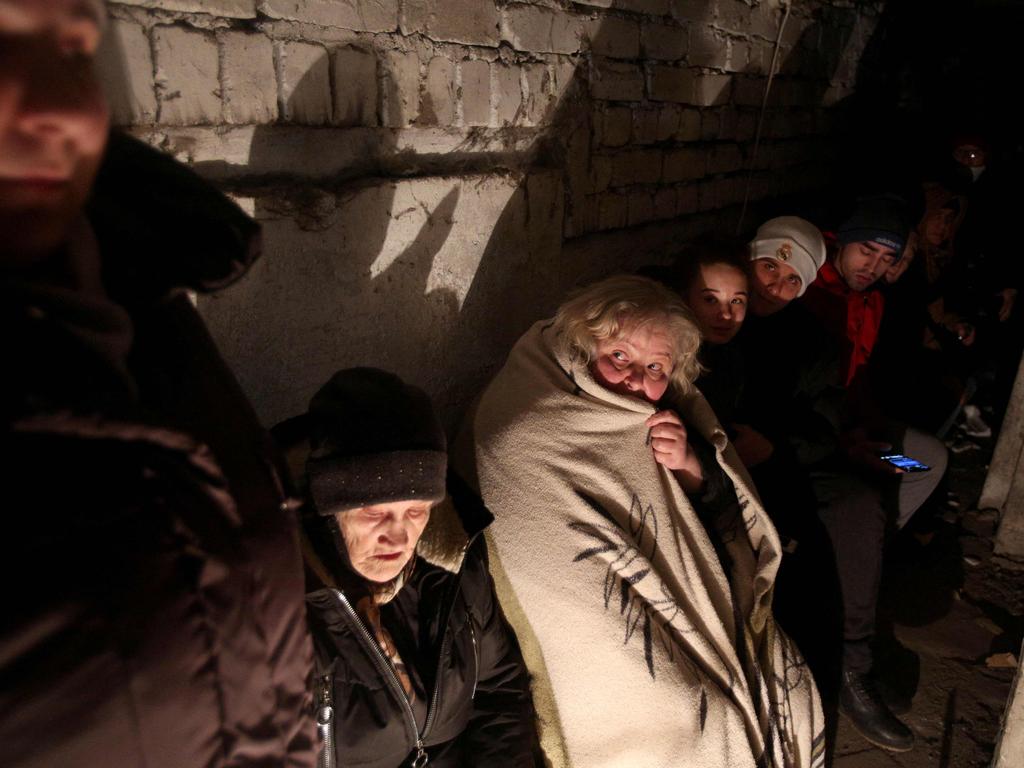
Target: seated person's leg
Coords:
[(785, 489), (807, 575), (854, 516), (855, 520), (916, 487)]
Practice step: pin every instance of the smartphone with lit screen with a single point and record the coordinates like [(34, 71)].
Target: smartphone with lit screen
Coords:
[(905, 463)]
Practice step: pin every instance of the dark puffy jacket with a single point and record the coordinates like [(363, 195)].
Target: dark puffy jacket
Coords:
[(448, 624), (153, 586)]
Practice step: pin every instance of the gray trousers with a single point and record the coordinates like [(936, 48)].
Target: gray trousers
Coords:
[(916, 487), (856, 509)]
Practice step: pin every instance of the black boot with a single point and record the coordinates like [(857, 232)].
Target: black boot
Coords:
[(860, 701), (897, 700)]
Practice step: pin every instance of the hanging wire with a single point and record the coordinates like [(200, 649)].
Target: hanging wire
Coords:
[(788, 4)]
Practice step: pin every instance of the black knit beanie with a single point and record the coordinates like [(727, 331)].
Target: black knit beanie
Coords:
[(882, 219), (375, 440)]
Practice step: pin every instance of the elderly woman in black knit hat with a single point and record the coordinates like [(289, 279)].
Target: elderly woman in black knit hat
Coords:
[(415, 661)]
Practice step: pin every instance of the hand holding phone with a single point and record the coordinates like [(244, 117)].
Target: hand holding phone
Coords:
[(866, 453)]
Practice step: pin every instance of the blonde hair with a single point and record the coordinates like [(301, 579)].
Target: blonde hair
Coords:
[(602, 310)]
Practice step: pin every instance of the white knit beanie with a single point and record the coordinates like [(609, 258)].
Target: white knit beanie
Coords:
[(793, 241)]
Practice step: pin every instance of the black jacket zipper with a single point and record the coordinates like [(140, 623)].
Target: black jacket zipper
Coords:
[(387, 669)]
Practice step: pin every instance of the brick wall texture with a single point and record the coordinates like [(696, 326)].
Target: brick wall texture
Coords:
[(433, 175), (668, 91)]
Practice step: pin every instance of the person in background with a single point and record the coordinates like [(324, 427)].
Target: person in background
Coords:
[(988, 274), (790, 395), (755, 390), (991, 279), (415, 662), (924, 361), (846, 301), (153, 603), (859, 494), (712, 276)]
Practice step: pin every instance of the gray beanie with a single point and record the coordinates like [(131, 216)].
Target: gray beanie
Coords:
[(375, 440), (793, 241)]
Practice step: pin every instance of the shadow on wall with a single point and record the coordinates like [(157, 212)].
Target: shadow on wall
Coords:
[(431, 274), (430, 255)]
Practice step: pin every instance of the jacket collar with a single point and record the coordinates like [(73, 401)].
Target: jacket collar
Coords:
[(161, 228), (832, 282), (830, 279)]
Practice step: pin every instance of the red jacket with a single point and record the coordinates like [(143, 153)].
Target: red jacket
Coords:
[(851, 317)]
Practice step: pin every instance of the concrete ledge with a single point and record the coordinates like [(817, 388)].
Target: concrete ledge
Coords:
[(1006, 459), (1009, 750), (244, 153), (236, 9)]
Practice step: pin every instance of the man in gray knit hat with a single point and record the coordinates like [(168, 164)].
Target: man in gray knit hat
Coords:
[(813, 406), (862, 495), (799, 395)]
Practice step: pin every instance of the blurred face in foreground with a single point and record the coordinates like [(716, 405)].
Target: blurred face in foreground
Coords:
[(636, 363), (53, 122), (718, 297), (381, 539)]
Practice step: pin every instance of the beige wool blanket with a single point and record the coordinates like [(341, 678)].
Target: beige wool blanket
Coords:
[(641, 652)]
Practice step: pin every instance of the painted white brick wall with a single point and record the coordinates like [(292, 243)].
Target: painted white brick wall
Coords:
[(187, 76), (641, 112)]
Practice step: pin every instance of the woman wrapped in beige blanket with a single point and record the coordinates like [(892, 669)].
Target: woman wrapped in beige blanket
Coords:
[(630, 550)]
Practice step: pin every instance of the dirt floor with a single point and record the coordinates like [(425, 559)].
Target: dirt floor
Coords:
[(956, 618)]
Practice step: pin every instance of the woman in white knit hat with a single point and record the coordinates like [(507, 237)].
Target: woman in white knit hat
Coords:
[(787, 253)]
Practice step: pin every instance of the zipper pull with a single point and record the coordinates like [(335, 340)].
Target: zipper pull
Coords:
[(325, 724), (325, 712), (421, 756), (476, 658), (326, 694)]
